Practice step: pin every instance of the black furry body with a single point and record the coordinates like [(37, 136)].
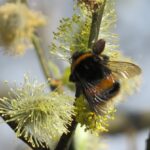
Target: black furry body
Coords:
[(90, 73)]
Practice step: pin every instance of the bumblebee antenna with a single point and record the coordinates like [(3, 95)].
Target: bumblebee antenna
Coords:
[(98, 47)]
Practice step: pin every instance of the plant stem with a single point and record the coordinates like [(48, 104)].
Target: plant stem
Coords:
[(95, 25), (41, 56), (13, 126), (66, 141), (148, 142), (43, 60)]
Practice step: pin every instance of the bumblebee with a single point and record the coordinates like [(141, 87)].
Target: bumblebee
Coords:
[(97, 77)]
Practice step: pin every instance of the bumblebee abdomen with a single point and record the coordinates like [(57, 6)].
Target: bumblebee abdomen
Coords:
[(112, 91), (103, 90)]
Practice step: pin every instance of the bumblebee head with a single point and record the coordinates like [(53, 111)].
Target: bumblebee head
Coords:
[(76, 55)]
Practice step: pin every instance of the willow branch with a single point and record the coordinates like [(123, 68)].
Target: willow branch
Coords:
[(44, 63), (66, 140), (97, 15), (148, 142), (125, 121), (13, 126), (41, 56)]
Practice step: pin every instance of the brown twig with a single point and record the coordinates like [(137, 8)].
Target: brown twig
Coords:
[(66, 140), (54, 83), (95, 25), (148, 142), (13, 126), (124, 121), (41, 56)]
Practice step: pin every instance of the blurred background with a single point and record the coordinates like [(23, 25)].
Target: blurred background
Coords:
[(133, 27)]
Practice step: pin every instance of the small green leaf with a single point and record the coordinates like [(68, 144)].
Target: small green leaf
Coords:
[(65, 79), (54, 70)]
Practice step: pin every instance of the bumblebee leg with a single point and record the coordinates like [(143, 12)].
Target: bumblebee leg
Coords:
[(78, 90), (72, 78)]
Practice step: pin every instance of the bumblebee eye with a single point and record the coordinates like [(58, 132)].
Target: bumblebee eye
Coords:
[(76, 55)]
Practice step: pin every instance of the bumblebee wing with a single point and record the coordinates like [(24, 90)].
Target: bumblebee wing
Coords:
[(93, 97), (98, 92), (123, 69)]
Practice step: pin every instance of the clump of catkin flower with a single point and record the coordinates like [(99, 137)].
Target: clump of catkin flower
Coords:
[(92, 121), (91, 142), (91, 4), (41, 116), (18, 24)]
